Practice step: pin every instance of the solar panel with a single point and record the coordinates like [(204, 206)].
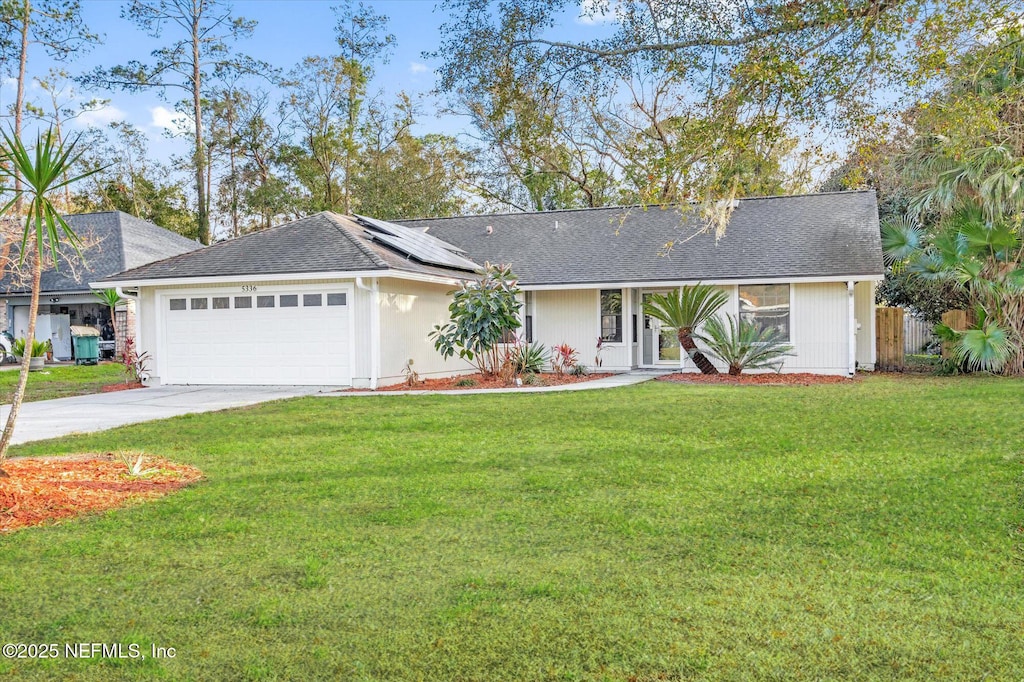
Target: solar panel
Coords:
[(417, 245)]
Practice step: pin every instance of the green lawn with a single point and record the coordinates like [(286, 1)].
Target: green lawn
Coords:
[(657, 532), (61, 381)]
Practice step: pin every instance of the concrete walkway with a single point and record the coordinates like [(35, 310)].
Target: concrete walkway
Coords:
[(624, 379), (99, 411)]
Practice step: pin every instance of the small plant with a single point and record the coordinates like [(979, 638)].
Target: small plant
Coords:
[(136, 366), (529, 359), (465, 383), (563, 358), (531, 379), (39, 348), (412, 377), (578, 370), (741, 344), (135, 469), (597, 355)]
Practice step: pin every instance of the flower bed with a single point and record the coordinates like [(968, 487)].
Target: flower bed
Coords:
[(765, 379), (481, 381), (42, 490), (111, 388)]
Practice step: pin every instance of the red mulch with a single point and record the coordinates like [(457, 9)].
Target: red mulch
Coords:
[(766, 379), (110, 388), (41, 490), (449, 383)]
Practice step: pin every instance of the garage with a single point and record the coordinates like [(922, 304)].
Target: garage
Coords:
[(257, 335)]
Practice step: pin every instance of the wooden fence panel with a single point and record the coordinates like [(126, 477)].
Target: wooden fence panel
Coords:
[(958, 320), (889, 338)]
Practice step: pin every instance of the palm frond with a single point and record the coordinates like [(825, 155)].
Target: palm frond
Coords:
[(686, 307), (742, 345)]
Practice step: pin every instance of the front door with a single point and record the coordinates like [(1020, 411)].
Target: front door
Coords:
[(660, 342)]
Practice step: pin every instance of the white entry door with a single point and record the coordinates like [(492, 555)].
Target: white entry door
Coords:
[(280, 336)]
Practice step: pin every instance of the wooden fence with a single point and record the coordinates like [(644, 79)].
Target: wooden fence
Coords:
[(958, 320), (889, 339), (917, 335)]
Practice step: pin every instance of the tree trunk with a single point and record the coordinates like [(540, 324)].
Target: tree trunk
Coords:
[(687, 343), (198, 157), (19, 104), (19, 392)]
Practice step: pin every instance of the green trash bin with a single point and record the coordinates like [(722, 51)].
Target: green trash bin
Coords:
[(86, 345)]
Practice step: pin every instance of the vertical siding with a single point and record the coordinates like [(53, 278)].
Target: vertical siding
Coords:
[(864, 310), (408, 312), (819, 319), (362, 335), (573, 317), (145, 331)]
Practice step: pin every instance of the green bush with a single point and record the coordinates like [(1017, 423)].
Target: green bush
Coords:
[(741, 344), (39, 348), (465, 383), (579, 370), (529, 358)]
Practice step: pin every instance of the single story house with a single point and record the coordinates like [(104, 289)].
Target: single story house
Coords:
[(340, 300), (113, 241)]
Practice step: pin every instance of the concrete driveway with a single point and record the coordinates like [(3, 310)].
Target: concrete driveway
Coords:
[(87, 413)]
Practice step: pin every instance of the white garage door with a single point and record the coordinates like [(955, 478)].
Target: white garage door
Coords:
[(260, 337)]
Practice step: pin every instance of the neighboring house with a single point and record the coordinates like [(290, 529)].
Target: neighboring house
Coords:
[(113, 241), (348, 301)]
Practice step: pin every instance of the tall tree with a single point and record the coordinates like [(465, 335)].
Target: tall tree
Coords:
[(202, 34), (54, 25)]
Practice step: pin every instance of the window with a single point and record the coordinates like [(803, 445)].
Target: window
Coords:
[(312, 300), (221, 302), (528, 317), (264, 301), (243, 302), (289, 300), (611, 315), (199, 303), (177, 304), (767, 306), (335, 299)]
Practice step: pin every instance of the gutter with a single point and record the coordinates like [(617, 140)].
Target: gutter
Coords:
[(374, 291), (852, 321)]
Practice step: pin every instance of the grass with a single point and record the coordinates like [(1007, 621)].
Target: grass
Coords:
[(656, 532), (61, 381)]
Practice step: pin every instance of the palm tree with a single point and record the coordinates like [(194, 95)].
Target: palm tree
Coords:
[(741, 344), (686, 309), (111, 299), (40, 174)]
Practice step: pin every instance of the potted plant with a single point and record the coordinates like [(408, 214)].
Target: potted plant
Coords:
[(39, 351)]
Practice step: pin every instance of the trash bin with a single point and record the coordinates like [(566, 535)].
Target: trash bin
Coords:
[(87, 344)]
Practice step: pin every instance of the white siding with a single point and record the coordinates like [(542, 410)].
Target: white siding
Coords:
[(864, 309), (408, 312), (574, 317), (819, 323)]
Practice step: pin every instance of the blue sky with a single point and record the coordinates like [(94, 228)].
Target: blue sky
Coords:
[(286, 32)]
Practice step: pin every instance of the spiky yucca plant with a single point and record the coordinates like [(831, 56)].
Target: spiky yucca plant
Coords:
[(686, 309), (741, 344), (43, 171)]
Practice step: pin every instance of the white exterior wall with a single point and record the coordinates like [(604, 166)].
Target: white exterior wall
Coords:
[(408, 313), (819, 328), (574, 317), (864, 309)]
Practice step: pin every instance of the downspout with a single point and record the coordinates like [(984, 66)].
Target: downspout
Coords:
[(852, 323), (374, 291)]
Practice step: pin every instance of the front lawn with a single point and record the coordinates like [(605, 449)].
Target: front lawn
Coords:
[(656, 532), (61, 381)]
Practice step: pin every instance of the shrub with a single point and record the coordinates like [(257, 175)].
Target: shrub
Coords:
[(531, 379), (578, 370), (482, 314), (563, 358), (465, 382), (741, 344), (136, 366), (412, 377), (529, 358), (39, 348)]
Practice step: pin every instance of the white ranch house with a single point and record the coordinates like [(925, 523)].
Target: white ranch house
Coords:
[(347, 301)]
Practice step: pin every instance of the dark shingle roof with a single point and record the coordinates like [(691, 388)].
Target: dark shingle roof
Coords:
[(816, 235), (114, 241), (324, 242)]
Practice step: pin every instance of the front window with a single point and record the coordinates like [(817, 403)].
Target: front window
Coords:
[(611, 315), (767, 306), (528, 316)]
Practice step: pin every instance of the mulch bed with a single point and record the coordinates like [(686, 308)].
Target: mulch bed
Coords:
[(768, 379), (111, 388), (43, 490), (481, 381)]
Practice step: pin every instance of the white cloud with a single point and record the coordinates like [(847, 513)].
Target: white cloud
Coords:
[(101, 116), (9, 82), (594, 12), (416, 67), (168, 120)]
